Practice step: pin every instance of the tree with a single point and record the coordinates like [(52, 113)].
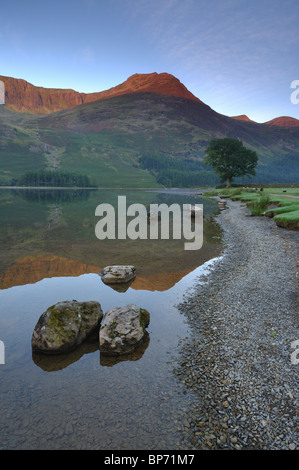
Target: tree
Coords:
[(230, 159)]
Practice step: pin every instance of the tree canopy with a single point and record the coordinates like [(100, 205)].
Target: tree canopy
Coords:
[(230, 159), (52, 178)]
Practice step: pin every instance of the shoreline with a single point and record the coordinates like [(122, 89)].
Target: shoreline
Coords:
[(243, 317)]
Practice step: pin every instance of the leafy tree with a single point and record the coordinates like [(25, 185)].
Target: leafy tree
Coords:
[(230, 159)]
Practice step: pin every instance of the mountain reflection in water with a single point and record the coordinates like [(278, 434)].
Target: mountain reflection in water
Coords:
[(85, 399), (48, 233)]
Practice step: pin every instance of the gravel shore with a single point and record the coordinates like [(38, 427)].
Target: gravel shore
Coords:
[(237, 362)]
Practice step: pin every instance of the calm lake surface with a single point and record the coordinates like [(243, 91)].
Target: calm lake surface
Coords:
[(82, 400)]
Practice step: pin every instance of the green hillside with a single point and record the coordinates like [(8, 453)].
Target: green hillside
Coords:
[(111, 141)]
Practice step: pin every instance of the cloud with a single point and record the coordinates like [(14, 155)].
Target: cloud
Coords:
[(85, 54), (234, 35)]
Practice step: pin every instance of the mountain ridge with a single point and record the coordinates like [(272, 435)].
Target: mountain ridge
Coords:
[(146, 132), (283, 121), (242, 117), (22, 96)]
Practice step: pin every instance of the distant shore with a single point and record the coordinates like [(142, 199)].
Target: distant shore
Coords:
[(244, 318), (47, 187)]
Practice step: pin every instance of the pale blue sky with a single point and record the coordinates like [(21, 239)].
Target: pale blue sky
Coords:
[(237, 56)]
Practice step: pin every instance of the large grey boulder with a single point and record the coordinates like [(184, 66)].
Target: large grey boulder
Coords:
[(117, 274), (123, 329), (65, 325)]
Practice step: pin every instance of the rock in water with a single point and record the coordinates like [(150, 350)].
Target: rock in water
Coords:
[(123, 329), (117, 274), (66, 325)]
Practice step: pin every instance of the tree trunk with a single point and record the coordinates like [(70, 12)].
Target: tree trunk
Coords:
[(228, 182)]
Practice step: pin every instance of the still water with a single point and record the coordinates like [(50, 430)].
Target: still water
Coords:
[(82, 400)]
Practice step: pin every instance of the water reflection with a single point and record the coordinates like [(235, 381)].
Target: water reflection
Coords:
[(107, 360), (121, 287), (40, 239), (52, 363), (85, 400), (31, 269)]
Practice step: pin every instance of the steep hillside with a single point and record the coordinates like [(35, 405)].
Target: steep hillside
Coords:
[(24, 97), (106, 139), (148, 131)]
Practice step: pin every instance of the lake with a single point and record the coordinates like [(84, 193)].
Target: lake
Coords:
[(83, 400)]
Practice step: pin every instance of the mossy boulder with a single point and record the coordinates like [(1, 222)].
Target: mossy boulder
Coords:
[(65, 325), (123, 329)]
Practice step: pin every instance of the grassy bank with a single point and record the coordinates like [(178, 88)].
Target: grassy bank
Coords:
[(280, 203)]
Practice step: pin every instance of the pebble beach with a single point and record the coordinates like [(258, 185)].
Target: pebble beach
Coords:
[(237, 361)]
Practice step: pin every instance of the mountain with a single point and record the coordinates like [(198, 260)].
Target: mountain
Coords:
[(31, 269), (24, 97), (134, 136), (284, 121), (242, 117)]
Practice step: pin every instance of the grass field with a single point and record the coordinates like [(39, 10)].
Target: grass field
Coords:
[(280, 203)]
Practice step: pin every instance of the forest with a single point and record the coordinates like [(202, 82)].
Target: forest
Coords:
[(52, 178)]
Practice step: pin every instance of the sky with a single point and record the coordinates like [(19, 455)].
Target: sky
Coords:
[(237, 56)]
